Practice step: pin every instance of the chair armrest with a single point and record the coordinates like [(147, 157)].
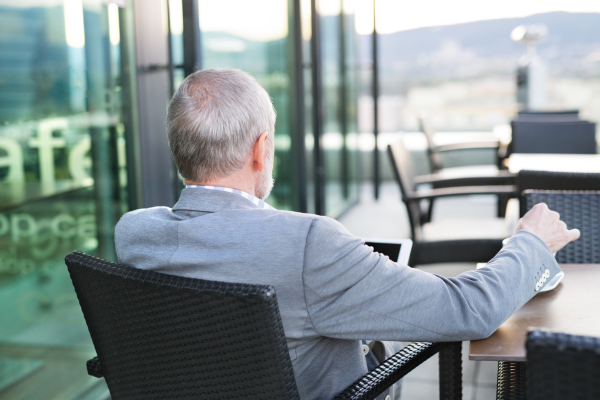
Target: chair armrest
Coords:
[(509, 190), (438, 181), (94, 368), (492, 145), (385, 375)]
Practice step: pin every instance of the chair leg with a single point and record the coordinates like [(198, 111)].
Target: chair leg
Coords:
[(451, 371), (501, 207), (511, 381), (430, 210)]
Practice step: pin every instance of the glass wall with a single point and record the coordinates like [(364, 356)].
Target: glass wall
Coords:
[(63, 185), (331, 100), (71, 136)]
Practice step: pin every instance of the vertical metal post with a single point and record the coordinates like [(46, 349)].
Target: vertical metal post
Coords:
[(343, 112), (298, 130), (376, 177), (170, 51), (192, 50), (130, 107), (317, 92), (152, 96), (175, 178)]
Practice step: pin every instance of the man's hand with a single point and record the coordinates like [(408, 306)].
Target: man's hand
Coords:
[(546, 225)]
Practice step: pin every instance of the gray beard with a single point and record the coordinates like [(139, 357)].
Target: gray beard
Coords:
[(263, 190)]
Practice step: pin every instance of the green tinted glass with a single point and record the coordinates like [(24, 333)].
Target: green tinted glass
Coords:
[(63, 185)]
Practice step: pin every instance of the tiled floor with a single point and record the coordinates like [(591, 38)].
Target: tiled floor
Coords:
[(386, 218)]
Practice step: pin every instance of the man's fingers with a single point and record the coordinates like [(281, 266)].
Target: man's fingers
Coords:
[(562, 224), (573, 234)]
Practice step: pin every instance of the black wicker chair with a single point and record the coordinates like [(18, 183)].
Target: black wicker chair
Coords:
[(552, 133), (578, 209), (562, 366), (160, 336), (428, 252), (546, 180)]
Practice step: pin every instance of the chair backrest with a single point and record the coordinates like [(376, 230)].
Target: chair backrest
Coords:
[(160, 336), (548, 116), (401, 161), (559, 136), (546, 180), (562, 366), (433, 155), (579, 210)]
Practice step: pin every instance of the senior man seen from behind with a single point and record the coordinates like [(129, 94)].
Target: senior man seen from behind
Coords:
[(333, 290)]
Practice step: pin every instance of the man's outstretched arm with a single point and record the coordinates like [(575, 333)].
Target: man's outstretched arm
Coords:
[(354, 293)]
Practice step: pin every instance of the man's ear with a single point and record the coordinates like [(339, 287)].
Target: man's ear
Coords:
[(259, 151)]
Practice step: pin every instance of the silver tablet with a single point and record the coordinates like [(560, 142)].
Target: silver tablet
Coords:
[(396, 249)]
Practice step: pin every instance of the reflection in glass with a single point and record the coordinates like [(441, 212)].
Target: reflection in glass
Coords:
[(63, 183)]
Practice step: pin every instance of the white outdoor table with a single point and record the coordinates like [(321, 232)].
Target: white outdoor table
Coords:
[(554, 162)]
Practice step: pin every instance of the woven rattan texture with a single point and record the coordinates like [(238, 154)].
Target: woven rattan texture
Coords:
[(548, 180), (386, 374), (511, 381), (165, 337), (451, 371), (561, 366), (579, 210)]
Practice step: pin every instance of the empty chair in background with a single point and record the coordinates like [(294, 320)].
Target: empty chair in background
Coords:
[(550, 180), (467, 176), (578, 209), (552, 132), (427, 251)]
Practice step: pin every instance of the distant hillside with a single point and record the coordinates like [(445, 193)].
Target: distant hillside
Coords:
[(571, 35)]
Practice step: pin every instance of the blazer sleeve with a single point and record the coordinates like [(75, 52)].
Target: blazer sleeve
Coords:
[(351, 292)]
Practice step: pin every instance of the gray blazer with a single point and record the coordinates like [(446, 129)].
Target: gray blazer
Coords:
[(332, 290)]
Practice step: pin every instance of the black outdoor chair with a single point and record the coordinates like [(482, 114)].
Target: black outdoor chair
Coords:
[(562, 366), (559, 366), (552, 132), (428, 252), (546, 180), (160, 336), (435, 151), (578, 209), (461, 176)]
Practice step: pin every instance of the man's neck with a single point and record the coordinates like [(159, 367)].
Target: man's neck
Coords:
[(238, 180)]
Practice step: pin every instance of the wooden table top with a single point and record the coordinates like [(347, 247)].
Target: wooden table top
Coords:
[(554, 162), (572, 307)]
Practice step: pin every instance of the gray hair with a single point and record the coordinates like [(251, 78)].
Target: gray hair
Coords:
[(214, 120)]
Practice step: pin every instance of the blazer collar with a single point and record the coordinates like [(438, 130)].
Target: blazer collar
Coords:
[(198, 199)]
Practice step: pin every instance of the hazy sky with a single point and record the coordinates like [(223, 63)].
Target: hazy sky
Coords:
[(270, 23), (396, 15)]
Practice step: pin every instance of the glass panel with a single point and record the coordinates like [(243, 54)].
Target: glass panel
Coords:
[(255, 39), (63, 185)]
